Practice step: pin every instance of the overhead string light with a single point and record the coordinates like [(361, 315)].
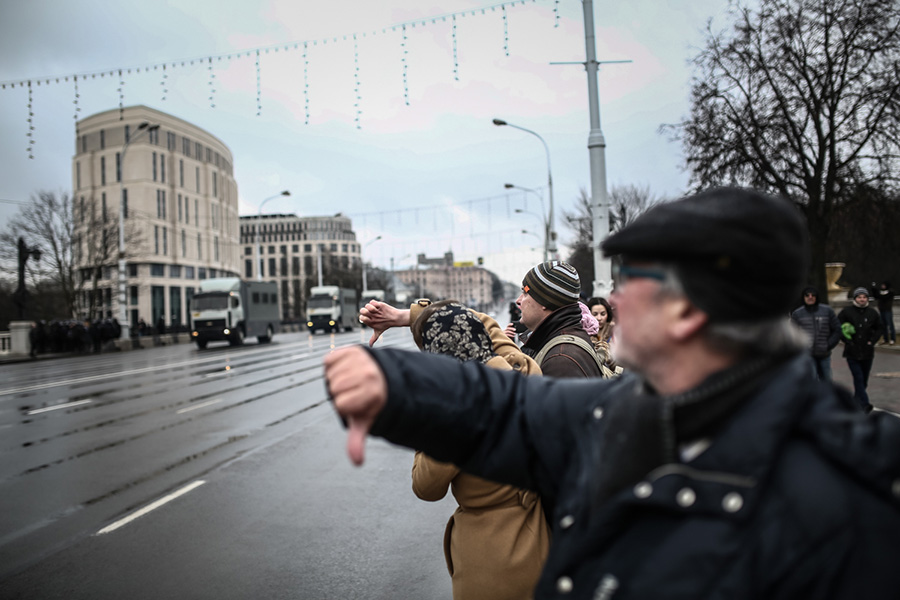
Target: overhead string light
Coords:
[(212, 84), (121, 91), (258, 88), (505, 31), (75, 102), (305, 83), (164, 83), (30, 134), (455, 55), (356, 81), (404, 66), (556, 13)]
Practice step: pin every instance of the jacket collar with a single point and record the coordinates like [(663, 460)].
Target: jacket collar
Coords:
[(563, 320)]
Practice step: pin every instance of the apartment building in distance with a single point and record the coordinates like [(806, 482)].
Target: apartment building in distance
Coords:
[(292, 251), (443, 278), (174, 185)]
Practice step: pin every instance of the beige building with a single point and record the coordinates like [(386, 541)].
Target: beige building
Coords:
[(444, 279), (294, 249), (175, 185)]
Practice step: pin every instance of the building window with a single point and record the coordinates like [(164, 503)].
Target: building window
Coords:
[(133, 295), (198, 151), (160, 204), (153, 136), (102, 170), (124, 203), (248, 251), (103, 206), (165, 232), (170, 140), (216, 248), (181, 172), (189, 272), (78, 176), (102, 139), (157, 270), (186, 147), (118, 166), (154, 166), (197, 178), (162, 167), (175, 271), (196, 212), (248, 269), (84, 143), (180, 212), (295, 265), (272, 272), (156, 239), (183, 243), (132, 270), (215, 186), (202, 273), (200, 248)]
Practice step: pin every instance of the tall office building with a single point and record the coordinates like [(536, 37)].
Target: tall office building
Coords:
[(174, 185)]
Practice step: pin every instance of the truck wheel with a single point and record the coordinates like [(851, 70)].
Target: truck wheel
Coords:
[(265, 339), (238, 338), (202, 344)]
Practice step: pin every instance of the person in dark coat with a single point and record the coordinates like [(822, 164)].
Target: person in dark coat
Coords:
[(861, 328), (550, 308), (717, 466), (822, 328)]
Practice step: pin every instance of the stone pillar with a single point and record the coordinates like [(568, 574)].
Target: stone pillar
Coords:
[(18, 337)]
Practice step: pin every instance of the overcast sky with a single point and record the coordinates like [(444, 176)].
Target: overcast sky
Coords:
[(401, 145)]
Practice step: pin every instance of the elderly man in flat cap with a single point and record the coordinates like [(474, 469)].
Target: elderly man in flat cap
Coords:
[(718, 466)]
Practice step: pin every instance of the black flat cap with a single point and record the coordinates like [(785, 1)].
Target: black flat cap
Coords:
[(741, 255)]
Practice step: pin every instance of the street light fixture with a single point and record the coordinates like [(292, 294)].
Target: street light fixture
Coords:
[(124, 323), (259, 258), (365, 278), (551, 232), (544, 222)]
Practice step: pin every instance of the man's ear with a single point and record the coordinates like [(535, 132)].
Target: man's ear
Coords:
[(686, 319)]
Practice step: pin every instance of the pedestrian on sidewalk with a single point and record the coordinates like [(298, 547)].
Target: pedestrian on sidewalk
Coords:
[(861, 328), (822, 328)]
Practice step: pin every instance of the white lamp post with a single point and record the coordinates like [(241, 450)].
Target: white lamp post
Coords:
[(544, 223), (551, 233), (259, 258), (124, 323)]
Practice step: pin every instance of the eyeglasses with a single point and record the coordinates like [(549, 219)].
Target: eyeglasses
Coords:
[(622, 273)]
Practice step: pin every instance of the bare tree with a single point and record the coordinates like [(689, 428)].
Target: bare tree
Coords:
[(626, 203), (801, 99)]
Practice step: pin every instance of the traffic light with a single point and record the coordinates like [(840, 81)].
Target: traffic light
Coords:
[(480, 261)]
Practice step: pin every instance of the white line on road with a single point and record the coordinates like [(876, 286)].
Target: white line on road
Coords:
[(203, 405), (38, 411), (140, 513)]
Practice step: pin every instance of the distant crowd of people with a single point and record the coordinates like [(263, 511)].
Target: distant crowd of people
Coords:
[(85, 336)]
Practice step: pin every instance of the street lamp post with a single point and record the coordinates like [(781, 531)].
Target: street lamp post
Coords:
[(124, 323), (365, 278), (544, 222), (551, 232), (259, 258)]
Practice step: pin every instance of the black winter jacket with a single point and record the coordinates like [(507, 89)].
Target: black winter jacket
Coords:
[(796, 496), (563, 360), (867, 323), (822, 327)]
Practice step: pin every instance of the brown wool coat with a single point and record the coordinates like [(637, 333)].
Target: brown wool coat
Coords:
[(496, 541)]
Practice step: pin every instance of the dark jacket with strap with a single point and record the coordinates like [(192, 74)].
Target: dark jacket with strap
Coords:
[(796, 495), (564, 360)]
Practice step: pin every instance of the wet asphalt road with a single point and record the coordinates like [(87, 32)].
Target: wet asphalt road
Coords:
[(175, 473), (217, 474)]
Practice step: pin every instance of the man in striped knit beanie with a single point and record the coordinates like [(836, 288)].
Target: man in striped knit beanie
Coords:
[(549, 305)]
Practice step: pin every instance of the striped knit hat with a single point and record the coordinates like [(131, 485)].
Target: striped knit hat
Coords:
[(553, 284)]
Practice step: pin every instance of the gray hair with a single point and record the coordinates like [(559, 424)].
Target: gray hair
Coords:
[(771, 335)]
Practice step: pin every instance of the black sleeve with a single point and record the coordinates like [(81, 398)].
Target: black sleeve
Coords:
[(499, 425)]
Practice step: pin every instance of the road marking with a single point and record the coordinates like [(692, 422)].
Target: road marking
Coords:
[(140, 513), (57, 407), (203, 405)]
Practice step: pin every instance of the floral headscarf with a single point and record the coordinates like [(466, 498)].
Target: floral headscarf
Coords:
[(453, 330)]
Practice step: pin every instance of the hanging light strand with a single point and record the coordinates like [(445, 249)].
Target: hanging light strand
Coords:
[(356, 81), (30, 133), (505, 32), (258, 87), (404, 65), (455, 55), (164, 83), (305, 83), (212, 84), (121, 91)]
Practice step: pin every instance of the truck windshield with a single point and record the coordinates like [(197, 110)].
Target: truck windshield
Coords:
[(321, 302), (210, 302)]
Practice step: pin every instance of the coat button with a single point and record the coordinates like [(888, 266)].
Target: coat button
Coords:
[(564, 585), (567, 521), (685, 497), (732, 502), (643, 490), (598, 413)]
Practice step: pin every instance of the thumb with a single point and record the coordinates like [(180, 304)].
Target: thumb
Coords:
[(376, 333), (356, 440)]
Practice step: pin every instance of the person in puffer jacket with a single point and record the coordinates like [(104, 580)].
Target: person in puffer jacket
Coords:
[(822, 328)]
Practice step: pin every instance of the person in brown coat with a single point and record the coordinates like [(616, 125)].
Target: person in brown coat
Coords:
[(496, 541)]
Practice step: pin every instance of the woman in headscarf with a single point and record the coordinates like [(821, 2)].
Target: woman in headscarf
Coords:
[(496, 541)]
